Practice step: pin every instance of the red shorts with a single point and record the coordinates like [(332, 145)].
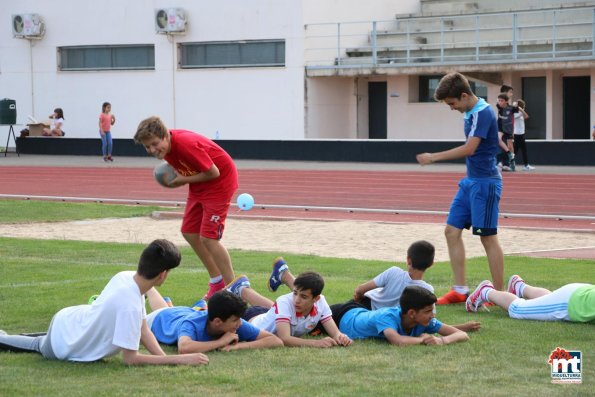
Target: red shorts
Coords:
[(206, 216)]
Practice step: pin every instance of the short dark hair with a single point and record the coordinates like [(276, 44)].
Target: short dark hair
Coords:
[(416, 298), (421, 254), (453, 85), (105, 104), (59, 112), (309, 280), (503, 96), (505, 88), (158, 256), (223, 304), (521, 103)]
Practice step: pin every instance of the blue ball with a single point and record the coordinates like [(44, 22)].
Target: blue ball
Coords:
[(245, 201)]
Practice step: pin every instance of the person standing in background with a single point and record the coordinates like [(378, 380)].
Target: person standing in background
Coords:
[(519, 134), (106, 120)]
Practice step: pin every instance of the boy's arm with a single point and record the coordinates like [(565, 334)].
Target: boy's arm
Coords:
[(501, 142), (466, 150), (264, 340), (525, 114), (449, 334), (206, 176), (157, 356), (469, 326), (361, 289), (133, 357), (284, 333), (148, 340), (187, 345), (393, 337), (331, 328)]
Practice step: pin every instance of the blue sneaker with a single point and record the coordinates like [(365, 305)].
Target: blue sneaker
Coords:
[(279, 267), (237, 285), (199, 305)]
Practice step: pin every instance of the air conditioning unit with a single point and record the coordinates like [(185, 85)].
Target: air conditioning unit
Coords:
[(170, 20), (28, 26)]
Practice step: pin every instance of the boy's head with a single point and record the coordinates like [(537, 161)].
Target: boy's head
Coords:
[(417, 303), (454, 90), (225, 311), (506, 89), (307, 288), (521, 103), (154, 136), (159, 256), (420, 255), (503, 100)]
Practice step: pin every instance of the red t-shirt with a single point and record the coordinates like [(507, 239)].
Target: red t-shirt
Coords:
[(192, 153)]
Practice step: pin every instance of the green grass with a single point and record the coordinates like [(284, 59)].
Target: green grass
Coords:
[(506, 357), (19, 211)]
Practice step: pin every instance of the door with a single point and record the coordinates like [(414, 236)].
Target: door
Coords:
[(534, 97), (377, 114), (576, 107)]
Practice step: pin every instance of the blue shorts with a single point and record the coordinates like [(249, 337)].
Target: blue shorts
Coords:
[(476, 204)]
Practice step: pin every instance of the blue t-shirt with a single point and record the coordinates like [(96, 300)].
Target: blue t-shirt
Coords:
[(362, 323), (481, 122), (171, 324)]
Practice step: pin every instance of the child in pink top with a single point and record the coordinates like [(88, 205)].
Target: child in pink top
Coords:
[(106, 120)]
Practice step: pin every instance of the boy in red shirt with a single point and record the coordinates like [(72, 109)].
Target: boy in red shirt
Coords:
[(212, 179)]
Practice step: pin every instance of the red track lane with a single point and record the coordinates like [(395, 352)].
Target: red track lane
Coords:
[(524, 193)]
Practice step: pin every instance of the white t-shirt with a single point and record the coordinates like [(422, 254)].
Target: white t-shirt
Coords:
[(102, 329), (283, 311), (57, 121), (391, 284), (519, 123)]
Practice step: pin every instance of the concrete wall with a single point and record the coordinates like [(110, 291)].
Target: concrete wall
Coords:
[(240, 103)]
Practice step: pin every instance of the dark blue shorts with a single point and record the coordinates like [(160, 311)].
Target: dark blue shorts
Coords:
[(476, 205), (254, 311)]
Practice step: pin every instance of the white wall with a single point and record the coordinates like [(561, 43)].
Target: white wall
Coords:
[(243, 103), (332, 108)]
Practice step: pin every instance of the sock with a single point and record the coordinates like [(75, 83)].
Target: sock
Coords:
[(215, 280), (484, 294), (519, 287), (461, 289)]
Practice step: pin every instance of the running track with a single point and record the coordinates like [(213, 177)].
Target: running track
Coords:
[(524, 192)]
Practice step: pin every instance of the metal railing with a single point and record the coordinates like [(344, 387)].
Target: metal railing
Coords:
[(511, 37)]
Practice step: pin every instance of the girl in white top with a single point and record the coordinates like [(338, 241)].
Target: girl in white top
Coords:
[(57, 127)]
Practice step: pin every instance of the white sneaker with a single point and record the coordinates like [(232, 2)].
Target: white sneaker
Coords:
[(506, 168), (528, 167)]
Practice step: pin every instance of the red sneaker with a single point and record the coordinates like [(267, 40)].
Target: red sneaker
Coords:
[(214, 288), (451, 297)]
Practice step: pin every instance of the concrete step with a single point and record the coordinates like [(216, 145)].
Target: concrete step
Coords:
[(461, 7)]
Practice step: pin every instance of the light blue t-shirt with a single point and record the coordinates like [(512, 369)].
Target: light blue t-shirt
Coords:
[(362, 323), (481, 122), (172, 323)]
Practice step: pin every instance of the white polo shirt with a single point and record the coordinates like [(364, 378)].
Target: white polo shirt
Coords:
[(283, 311)]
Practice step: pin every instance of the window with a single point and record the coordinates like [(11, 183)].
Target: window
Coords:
[(428, 84), (263, 53), (107, 57)]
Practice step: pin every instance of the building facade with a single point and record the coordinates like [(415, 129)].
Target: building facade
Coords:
[(296, 70)]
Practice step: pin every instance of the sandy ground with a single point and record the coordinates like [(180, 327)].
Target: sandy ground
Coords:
[(343, 239)]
